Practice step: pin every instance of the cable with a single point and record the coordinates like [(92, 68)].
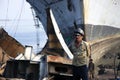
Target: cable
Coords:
[(19, 18), (7, 12), (8, 45)]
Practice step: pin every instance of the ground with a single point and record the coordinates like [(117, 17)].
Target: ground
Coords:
[(108, 75)]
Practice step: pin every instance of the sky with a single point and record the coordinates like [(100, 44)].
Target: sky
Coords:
[(17, 19)]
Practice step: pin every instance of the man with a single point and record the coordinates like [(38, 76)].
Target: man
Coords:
[(91, 68), (80, 50)]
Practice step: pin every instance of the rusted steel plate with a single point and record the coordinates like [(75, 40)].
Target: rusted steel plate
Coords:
[(58, 59)]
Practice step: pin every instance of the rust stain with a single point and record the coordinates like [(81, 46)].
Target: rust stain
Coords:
[(58, 59)]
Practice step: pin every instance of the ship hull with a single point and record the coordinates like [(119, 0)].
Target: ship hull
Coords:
[(98, 17)]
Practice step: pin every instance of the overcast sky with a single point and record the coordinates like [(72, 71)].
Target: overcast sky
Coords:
[(17, 19)]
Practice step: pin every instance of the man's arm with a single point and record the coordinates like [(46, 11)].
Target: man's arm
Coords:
[(88, 47)]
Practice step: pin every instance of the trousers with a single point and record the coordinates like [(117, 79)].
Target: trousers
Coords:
[(80, 72)]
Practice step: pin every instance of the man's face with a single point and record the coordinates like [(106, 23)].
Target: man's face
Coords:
[(78, 38)]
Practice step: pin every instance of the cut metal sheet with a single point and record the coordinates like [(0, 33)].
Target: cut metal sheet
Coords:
[(59, 36)]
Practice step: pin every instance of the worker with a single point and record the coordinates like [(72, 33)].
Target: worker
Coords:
[(81, 52), (91, 68)]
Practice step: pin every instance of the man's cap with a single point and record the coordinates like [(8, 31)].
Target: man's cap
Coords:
[(79, 31)]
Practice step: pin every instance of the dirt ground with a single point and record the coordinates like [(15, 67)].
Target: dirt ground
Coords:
[(108, 75)]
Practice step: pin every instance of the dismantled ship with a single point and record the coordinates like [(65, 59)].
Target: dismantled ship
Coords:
[(98, 18)]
